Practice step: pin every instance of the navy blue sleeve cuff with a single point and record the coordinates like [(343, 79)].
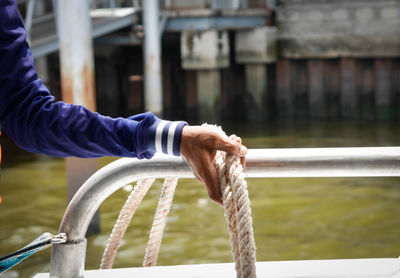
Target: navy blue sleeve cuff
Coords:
[(165, 136)]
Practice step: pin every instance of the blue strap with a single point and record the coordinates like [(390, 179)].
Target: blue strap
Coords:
[(42, 242)]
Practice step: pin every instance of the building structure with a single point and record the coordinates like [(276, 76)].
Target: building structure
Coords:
[(222, 60)]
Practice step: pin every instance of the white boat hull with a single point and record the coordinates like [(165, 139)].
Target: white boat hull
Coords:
[(351, 268)]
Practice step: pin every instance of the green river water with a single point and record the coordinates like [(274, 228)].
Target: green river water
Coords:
[(294, 218)]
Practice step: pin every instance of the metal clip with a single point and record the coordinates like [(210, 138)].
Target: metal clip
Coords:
[(60, 238)]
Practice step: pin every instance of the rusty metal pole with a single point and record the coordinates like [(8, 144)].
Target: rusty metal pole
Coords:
[(77, 78), (152, 58), (41, 63)]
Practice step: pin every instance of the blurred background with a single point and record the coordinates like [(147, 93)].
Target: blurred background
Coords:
[(278, 73)]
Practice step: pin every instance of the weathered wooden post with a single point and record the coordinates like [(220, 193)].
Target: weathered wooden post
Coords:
[(384, 106), (316, 95), (206, 52), (255, 48), (349, 94), (284, 100)]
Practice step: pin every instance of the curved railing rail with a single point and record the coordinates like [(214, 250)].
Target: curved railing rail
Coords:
[(68, 259)]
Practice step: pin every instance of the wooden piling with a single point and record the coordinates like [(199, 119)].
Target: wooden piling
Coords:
[(256, 89), (366, 68), (383, 94), (396, 87), (284, 101), (208, 93), (166, 87), (191, 95), (107, 98), (316, 94), (299, 88), (332, 88), (233, 86), (348, 89)]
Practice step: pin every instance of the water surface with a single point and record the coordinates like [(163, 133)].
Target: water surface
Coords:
[(294, 218)]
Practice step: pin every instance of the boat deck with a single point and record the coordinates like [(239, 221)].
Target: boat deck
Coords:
[(354, 268)]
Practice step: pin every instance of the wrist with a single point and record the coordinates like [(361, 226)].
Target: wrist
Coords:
[(166, 136)]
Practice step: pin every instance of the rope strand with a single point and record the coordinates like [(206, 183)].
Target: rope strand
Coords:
[(123, 221), (245, 222), (230, 209), (160, 219)]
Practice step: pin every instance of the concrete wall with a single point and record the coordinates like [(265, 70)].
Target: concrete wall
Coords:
[(335, 60), (338, 28)]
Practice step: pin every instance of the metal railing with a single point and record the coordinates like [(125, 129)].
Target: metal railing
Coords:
[(68, 259)]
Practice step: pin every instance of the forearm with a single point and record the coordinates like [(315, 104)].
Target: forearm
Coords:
[(36, 123)]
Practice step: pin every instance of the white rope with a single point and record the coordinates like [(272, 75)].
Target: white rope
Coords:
[(236, 209), (160, 219), (245, 222), (230, 209), (123, 221)]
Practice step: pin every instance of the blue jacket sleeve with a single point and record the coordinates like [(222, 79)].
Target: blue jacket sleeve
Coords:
[(32, 118)]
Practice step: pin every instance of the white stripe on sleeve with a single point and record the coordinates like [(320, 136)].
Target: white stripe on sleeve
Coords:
[(171, 134), (158, 139)]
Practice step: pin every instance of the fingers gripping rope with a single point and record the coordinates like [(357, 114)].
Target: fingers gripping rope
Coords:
[(236, 209)]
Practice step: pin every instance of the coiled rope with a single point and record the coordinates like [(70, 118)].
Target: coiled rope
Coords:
[(236, 209)]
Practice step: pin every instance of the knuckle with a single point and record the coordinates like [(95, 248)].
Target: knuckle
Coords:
[(235, 147)]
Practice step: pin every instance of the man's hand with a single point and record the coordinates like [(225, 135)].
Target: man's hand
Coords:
[(199, 146)]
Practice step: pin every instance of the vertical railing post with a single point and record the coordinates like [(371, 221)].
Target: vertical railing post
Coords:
[(68, 259), (77, 78), (152, 58)]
